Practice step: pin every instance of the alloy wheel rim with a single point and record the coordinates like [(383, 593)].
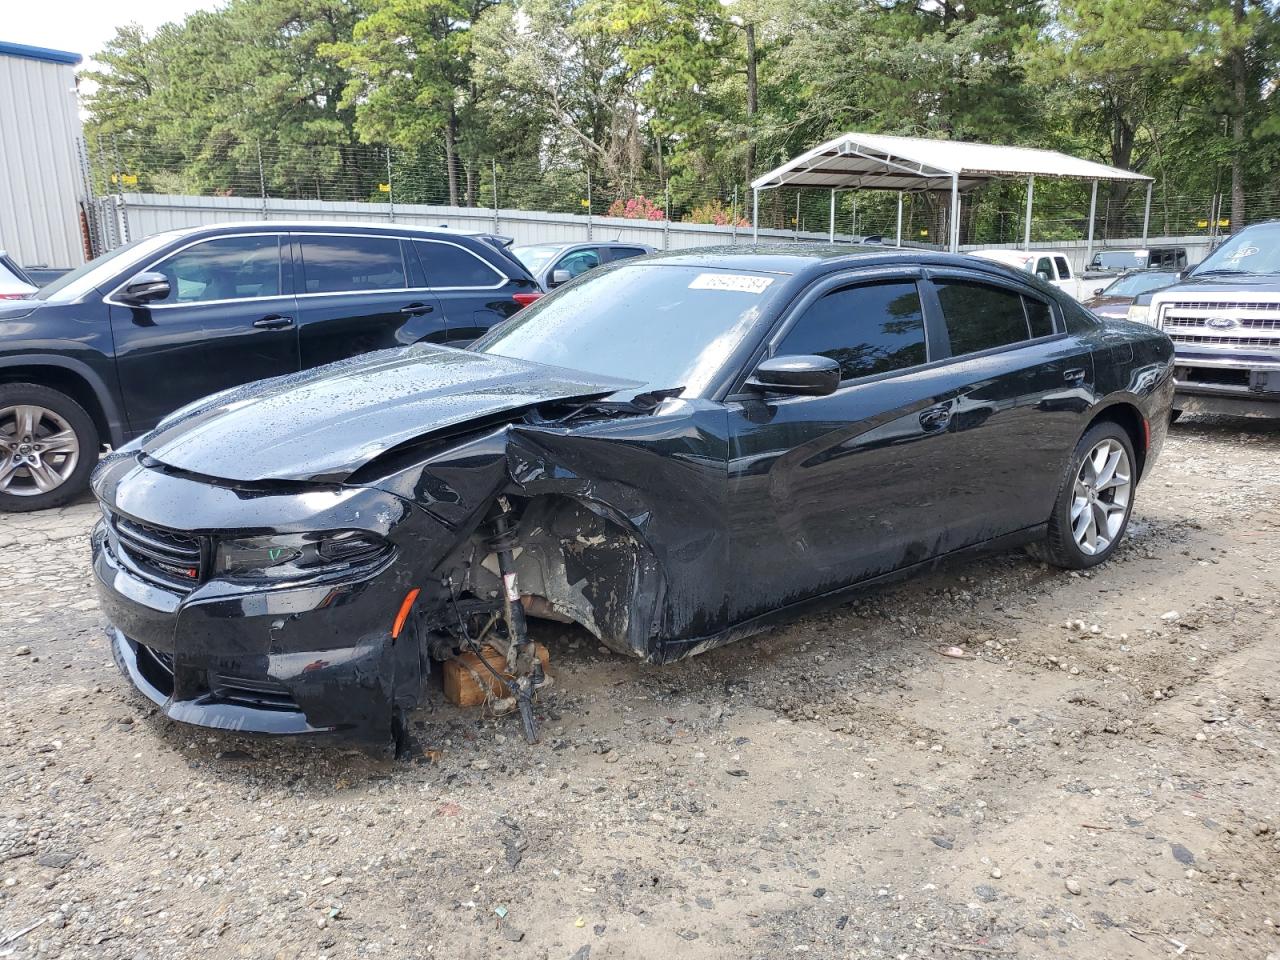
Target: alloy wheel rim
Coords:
[(38, 450), (1100, 500)]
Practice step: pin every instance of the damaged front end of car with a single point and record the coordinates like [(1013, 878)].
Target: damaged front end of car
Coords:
[(307, 587)]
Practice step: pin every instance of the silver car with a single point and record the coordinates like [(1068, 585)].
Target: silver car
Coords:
[(553, 264)]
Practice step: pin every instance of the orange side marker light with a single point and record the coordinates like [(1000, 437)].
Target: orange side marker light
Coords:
[(403, 615)]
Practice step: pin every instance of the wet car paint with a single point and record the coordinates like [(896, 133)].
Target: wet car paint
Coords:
[(665, 527)]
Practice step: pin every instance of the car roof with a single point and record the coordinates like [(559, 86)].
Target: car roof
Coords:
[(796, 258), (325, 226)]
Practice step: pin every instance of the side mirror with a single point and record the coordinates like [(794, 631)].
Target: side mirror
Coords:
[(559, 276), (1097, 291), (802, 375), (146, 288), (1045, 275)]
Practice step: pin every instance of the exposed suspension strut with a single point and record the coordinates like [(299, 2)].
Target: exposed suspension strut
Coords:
[(522, 659)]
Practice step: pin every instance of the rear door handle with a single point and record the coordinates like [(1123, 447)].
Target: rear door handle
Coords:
[(1074, 375), (935, 418), (413, 309), (273, 322)]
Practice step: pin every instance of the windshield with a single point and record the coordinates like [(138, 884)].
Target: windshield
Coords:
[(1254, 250), (536, 257), (82, 280), (1136, 283), (664, 325), (1119, 260)]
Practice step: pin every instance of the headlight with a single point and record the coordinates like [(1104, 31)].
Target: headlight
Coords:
[(297, 554), (1139, 313)]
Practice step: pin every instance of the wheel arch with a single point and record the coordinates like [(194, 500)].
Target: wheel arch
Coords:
[(1126, 414), (77, 381)]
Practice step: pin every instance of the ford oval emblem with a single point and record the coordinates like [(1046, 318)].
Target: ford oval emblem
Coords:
[(1220, 323)]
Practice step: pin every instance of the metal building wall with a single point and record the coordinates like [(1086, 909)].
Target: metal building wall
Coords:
[(40, 179)]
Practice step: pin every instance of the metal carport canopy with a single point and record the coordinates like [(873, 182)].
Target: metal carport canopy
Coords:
[(868, 161)]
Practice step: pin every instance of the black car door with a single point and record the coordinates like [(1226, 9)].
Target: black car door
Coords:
[(360, 292), (474, 294), (826, 491), (1017, 388), (229, 319)]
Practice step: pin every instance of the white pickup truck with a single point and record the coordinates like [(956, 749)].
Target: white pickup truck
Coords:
[(1049, 265)]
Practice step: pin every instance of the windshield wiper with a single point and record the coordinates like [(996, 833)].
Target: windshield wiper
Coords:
[(1221, 271), (639, 405)]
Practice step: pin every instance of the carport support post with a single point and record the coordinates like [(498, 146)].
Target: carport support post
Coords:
[(755, 214), (833, 215), (1146, 212), (899, 218), (955, 213), (1093, 209), (1026, 230)]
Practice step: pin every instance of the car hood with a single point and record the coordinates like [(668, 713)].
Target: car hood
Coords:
[(323, 424)]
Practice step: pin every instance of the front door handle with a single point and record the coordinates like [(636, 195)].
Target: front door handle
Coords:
[(935, 418), (1074, 375), (274, 322), (414, 309)]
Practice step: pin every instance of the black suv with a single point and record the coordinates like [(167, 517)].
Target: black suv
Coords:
[(103, 353)]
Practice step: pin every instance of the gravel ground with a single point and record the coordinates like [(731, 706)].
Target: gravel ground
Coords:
[(1097, 779)]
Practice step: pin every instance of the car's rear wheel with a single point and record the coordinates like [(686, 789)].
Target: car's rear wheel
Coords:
[(48, 446), (1094, 501)]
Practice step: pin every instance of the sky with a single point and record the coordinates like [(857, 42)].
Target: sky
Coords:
[(84, 26)]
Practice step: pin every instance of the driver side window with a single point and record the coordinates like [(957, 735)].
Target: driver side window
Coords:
[(579, 262), (868, 329), (225, 268)]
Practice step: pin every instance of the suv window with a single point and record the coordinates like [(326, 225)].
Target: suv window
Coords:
[(447, 265), (224, 268), (624, 253), (982, 317), (354, 263), (1044, 269), (867, 329), (1064, 268)]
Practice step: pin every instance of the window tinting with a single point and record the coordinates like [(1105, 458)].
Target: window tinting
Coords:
[(980, 317), (1039, 318), (449, 266), (578, 262), (226, 268), (1064, 268), (867, 329), (625, 253), (342, 264)]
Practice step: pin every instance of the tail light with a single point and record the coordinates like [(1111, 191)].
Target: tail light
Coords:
[(524, 299), (14, 296)]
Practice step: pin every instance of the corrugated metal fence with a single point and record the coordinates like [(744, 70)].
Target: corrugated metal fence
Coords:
[(129, 216)]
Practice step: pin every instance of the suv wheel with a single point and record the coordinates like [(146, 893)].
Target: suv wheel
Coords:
[(48, 446), (1094, 501)]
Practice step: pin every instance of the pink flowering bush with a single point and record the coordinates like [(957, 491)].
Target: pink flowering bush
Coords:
[(636, 208)]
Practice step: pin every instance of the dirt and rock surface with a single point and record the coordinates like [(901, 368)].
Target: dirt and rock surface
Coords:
[(1097, 779)]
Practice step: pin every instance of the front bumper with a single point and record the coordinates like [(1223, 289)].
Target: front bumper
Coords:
[(285, 661)]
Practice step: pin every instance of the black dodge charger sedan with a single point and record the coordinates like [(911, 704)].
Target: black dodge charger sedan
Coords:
[(674, 452)]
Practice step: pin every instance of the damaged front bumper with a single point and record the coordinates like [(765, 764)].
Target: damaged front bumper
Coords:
[(317, 657)]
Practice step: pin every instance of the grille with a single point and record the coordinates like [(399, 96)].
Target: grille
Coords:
[(1269, 306), (1196, 340), (168, 557), (1201, 323), (1220, 376), (262, 693)]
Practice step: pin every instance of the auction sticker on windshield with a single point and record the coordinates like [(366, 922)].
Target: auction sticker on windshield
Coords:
[(735, 282)]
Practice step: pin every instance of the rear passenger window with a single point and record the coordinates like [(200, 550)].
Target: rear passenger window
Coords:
[(980, 317), (349, 264), (868, 329), (446, 265), (624, 253), (1039, 317)]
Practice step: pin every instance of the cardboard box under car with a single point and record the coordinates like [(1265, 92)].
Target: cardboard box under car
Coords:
[(467, 683)]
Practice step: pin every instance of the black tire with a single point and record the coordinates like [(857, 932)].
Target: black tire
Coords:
[(1174, 415), (1060, 547), (80, 423)]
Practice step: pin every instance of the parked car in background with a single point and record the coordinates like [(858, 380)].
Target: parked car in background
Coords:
[(14, 282), (1114, 299), (1111, 262), (553, 264), (102, 354), (1051, 266), (673, 452), (1224, 320)]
